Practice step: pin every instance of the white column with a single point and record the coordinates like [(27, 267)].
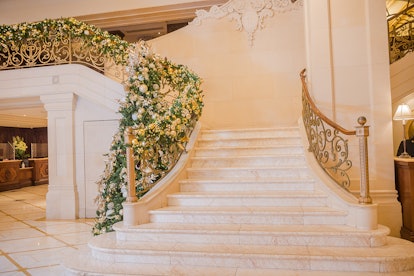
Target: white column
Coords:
[(61, 199), (347, 56)]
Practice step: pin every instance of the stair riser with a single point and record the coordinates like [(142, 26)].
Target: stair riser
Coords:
[(243, 187), (250, 142), (251, 238), (253, 261), (254, 161), (275, 173), (240, 201), (218, 135), (274, 219), (226, 152)]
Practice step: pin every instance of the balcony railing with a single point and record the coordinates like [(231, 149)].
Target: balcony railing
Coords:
[(64, 41), (328, 143), (401, 33)]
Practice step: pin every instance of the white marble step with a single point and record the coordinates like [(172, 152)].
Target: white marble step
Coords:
[(248, 234), (248, 161), (248, 199), (246, 151), (293, 172), (298, 215), (248, 142), (85, 265), (250, 133), (397, 255), (236, 185)]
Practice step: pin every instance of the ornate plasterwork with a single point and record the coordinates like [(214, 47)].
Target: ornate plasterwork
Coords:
[(248, 14)]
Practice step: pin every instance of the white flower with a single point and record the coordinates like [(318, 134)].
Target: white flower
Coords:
[(134, 116), (110, 213), (143, 88)]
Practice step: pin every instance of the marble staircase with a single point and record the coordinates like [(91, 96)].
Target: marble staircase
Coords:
[(249, 204)]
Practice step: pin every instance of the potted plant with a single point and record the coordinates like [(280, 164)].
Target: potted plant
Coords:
[(20, 148)]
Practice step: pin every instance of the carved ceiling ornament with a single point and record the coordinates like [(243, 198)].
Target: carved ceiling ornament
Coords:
[(248, 14)]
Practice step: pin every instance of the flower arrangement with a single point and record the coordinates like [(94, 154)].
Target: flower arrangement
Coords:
[(48, 30), (163, 102), (20, 147)]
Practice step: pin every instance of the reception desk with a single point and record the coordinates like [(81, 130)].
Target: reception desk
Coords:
[(40, 170), (12, 176), (404, 181)]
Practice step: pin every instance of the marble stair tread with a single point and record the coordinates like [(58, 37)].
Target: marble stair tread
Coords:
[(235, 185), (235, 151), (265, 228), (251, 209), (292, 171), (315, 235), (251, 160), (254, 194), (262, 141), (255, 198), (84, 264), (250, 132), (396, 255)]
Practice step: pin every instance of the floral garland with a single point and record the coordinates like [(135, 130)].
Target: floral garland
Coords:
[(162, 106), (65, 28)]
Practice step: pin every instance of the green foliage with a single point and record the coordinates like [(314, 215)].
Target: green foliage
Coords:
[(163, 102)]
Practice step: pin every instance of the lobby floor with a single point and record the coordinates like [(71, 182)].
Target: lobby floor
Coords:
[(30, 245)]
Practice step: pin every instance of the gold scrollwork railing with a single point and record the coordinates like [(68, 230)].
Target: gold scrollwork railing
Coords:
[(401, 34), (330, 148), (54, 42)]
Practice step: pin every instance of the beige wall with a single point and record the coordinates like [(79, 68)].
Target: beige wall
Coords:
[(245, 85)]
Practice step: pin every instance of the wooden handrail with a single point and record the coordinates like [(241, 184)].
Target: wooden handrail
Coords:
[(317, 111)]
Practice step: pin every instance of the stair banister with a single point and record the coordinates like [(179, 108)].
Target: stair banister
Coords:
[(330, 149), (132, 197)]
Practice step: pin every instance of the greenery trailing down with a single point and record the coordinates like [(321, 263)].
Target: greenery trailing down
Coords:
[(163, 102), (52, 30)]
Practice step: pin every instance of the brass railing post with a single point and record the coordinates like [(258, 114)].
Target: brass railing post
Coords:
[(362, 133), (130, 165)]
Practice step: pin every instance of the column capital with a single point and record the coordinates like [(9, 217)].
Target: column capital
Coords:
[(59, 102)]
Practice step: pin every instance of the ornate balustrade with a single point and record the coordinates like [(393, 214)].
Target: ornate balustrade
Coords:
[(328, 144), (162, 104), (401, 34), (64, 41)]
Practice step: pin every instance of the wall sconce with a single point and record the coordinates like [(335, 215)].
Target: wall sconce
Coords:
[(403, 114)]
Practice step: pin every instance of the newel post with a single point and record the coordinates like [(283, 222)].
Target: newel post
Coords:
[(130, 215), (362, 133), (130, 165)]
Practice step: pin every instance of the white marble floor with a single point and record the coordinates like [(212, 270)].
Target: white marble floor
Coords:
[(30, 244)]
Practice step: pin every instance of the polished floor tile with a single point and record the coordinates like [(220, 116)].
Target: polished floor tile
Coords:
[(30, 244)]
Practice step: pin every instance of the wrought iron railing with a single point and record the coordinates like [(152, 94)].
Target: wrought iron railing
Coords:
[(64, 41), (328, 144), (401, 34)]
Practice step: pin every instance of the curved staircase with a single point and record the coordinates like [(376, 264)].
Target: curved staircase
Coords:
[(249, 206)]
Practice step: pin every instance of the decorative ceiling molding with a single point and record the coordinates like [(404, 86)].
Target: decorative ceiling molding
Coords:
[(167, 13), (248, 14)]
